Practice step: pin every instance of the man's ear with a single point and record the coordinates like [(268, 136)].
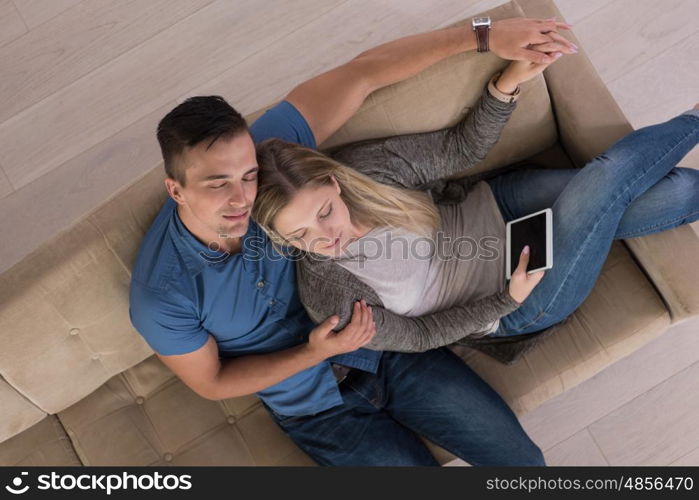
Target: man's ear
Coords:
[(173, 189)]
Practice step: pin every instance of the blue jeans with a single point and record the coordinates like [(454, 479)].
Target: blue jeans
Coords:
[(632, 189), (433, 393)]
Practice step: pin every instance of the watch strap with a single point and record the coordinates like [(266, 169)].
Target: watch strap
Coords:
[(501, 96), (482, 38)]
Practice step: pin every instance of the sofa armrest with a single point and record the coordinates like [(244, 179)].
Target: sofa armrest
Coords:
[(589, 121), (670, 259)]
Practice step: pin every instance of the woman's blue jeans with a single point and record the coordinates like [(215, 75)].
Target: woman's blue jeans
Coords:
[(632, 189)]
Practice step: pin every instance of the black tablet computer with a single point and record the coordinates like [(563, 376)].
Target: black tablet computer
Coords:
[(534, 230)]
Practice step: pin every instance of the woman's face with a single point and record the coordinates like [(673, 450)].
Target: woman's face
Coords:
[(317, 220)]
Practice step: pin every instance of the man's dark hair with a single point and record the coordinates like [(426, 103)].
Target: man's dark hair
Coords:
[(198, 119)]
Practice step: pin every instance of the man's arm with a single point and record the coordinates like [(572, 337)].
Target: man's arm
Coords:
[(203, 371), (169, 322), (328, 100)]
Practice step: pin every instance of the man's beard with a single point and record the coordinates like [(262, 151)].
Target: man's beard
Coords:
[(236, 231)]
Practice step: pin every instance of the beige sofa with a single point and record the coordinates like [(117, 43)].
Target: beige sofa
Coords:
[(80, 386)]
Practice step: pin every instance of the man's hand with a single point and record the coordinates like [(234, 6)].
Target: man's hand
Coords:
[(511, 39), (325, 343)]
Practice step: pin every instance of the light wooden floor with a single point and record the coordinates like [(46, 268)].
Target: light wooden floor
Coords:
[(83, 84)]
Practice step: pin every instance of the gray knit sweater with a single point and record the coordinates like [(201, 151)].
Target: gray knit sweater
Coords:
[(413, 161)]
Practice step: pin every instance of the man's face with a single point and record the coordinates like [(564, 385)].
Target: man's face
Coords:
[(221, 185)]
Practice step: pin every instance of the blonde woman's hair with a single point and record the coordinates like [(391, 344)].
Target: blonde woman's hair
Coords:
[(285, 168)]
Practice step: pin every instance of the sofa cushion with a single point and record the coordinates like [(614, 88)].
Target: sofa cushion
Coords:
[(126, 217), (43, 444), (64, 322), (16, 412), (147, 416)]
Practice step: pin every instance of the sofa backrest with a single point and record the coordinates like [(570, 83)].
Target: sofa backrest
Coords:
[(64, 322), (439, 96)]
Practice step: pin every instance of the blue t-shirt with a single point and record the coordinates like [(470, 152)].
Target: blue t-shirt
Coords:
[(181, 292)]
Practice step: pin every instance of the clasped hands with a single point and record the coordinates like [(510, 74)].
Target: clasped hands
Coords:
[(531, 44)]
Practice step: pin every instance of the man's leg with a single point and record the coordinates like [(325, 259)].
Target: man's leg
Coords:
[(437, 395), (357, 433)]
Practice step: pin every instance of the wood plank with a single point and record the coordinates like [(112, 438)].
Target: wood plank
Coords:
[(468, 9), (457, 462), (11, 24), (346, 31), (575, 11), (35, 12), (565, 415), (5, 185), (579, 449), (662, 87), (120, 92), (656, 428), (670, 86), (690, 459), (625, 33), (80, 40), (77, 187), (572, 10)]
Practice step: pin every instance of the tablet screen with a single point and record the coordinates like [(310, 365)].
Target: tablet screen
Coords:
[(532, 232)]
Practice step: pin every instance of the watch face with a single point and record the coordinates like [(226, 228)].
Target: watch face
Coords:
[(481, 21)]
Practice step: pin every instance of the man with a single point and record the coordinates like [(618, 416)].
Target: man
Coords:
[(219, 306)]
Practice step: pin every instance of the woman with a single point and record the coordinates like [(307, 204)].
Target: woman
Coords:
[(422, 300), (363, 218)]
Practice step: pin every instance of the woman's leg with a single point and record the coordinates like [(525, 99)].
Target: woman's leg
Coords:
[(671, 202), (588, 213)]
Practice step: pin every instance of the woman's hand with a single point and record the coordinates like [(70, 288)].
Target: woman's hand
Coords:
[(521, 71), (521, 283)]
